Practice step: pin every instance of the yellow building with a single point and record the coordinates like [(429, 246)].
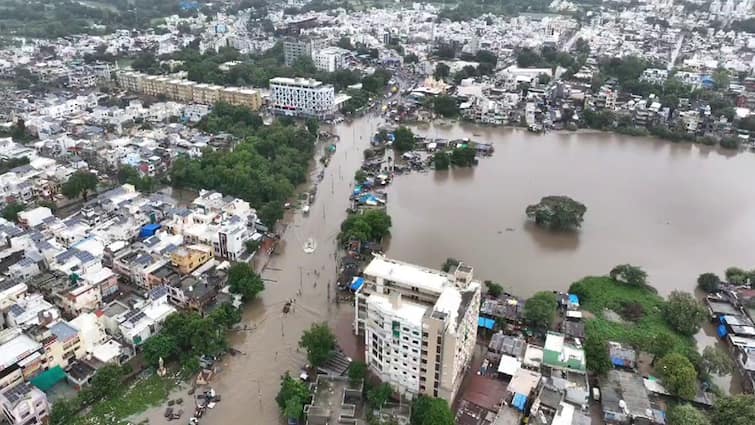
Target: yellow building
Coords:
[(189, 258)]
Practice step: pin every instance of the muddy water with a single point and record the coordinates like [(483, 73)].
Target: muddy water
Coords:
[(677, 210)]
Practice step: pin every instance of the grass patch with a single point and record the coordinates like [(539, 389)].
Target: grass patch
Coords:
[(600, 293), (141, 395)]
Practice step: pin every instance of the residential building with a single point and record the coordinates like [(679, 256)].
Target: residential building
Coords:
[(295, 49), (329, 59), (20, 357), (419, 325), (25, 404), (187, 259), (301, 97)]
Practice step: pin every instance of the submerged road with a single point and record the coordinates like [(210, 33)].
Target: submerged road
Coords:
[(249, 382)]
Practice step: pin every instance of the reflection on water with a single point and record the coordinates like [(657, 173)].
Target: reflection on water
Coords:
[(550, 240)]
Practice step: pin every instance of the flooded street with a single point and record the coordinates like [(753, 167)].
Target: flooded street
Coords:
[(675, 209)]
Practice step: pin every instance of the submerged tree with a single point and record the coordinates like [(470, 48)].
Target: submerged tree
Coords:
[(557, 212)]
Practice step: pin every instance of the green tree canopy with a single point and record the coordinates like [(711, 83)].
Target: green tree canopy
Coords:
[(11, 210), (445, 106), (629, 274), (63, 412), (709, 282), (541, 309), (379, 395), (557, 212), (442, 71), (404, 139), (736, 276), (244, 281), (494, 290), (717, 361), (441, 161), (734, 410), (686, 414), (373, 225), (79, 184), (319, 342), (596, 354), (679, 375), (292, 389), (684, 313), (431, 411), (357, 371)]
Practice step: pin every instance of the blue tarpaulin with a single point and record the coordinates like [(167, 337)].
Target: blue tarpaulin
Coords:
[(573, 299), (617, 361), (520, 401), (357, 283), (722, 332), (149, 230), (358, 190), (486, 323)]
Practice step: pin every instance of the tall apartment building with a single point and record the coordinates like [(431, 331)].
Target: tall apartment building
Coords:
[(188, 91), (301, 97), (329, 59), (294, 49), (419, 325)]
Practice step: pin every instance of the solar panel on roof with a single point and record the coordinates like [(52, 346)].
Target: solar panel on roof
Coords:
[(158, 292), (16, 310), (134, 316)]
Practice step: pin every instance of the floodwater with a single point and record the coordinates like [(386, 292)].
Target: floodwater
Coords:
[(676, 210)]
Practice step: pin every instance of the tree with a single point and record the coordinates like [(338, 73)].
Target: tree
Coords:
[(716, 361), (79, 184), (557, 212), (63, 412), (527, 58), (494, 290), (244, 281), (736, 276), (629, 274), (442, 71), (378, 396), (226, 315), (357, 371), (450, 264), (411, 58), (107, 381), (709, 282), (312, 126), (159, 346), (360, 176), (543, 79), (686, 414), (345, 43), (540, 309), (445, 106), (596, 354), (679, 375), (660, 344), (441, 161), (463, 156), (319, 342), (11, 210), (292, 389), (684, 313), (732, 143), (379, 222), (403, 139), (294, 408), (721, 79), (431, 411), (734, 410)]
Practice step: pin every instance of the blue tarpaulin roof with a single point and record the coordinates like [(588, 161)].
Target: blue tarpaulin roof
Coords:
[(617, 361), (722, 332), (573, 299), (357, 283), (358, 190), (486, 323), (520, 401)]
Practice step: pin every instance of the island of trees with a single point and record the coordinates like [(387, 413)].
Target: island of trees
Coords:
[(557, 213)]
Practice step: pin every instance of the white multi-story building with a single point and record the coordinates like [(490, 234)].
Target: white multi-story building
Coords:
[(329, 59), (25, 404), (419, 325), (301, 97)]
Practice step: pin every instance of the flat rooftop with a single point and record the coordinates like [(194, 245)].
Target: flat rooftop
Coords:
[(408, 274)]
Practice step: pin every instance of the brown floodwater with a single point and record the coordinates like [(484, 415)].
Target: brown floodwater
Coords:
[(677, 210)]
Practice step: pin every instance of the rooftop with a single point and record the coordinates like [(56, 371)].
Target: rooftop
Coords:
[(408, 274)]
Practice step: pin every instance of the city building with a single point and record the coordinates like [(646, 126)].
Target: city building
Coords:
[(25, 404), (301, 97), (295, 49), (329, 59), (419, 325)]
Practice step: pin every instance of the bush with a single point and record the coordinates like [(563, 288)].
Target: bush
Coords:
[(684, 313), (709, 282)]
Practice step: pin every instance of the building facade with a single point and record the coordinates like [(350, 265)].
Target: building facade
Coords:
[(301, 97), (419, 325), (295, 49)]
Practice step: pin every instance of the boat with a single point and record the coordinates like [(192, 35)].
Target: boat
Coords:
[(305, 209)]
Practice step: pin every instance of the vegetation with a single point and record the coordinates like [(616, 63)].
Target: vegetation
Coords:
[(445, 106), (441, 161), (596, 354), (11, 210), (679, 375), (319, 342), (357, 371), (379, 395), (629, 274), (129, 175), (684, 313), (540, 310), (431, 411), (709, 282), (734, 410), (292, 397), (651, 333), (450, 264), (463, 156), (11, 163), (557, 212), (686, 414), (373, 225), (244, 281), (737, 276), (494, 290), (263, 169), (442, 71), (404, 139), (717, 361), (79, 184)]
